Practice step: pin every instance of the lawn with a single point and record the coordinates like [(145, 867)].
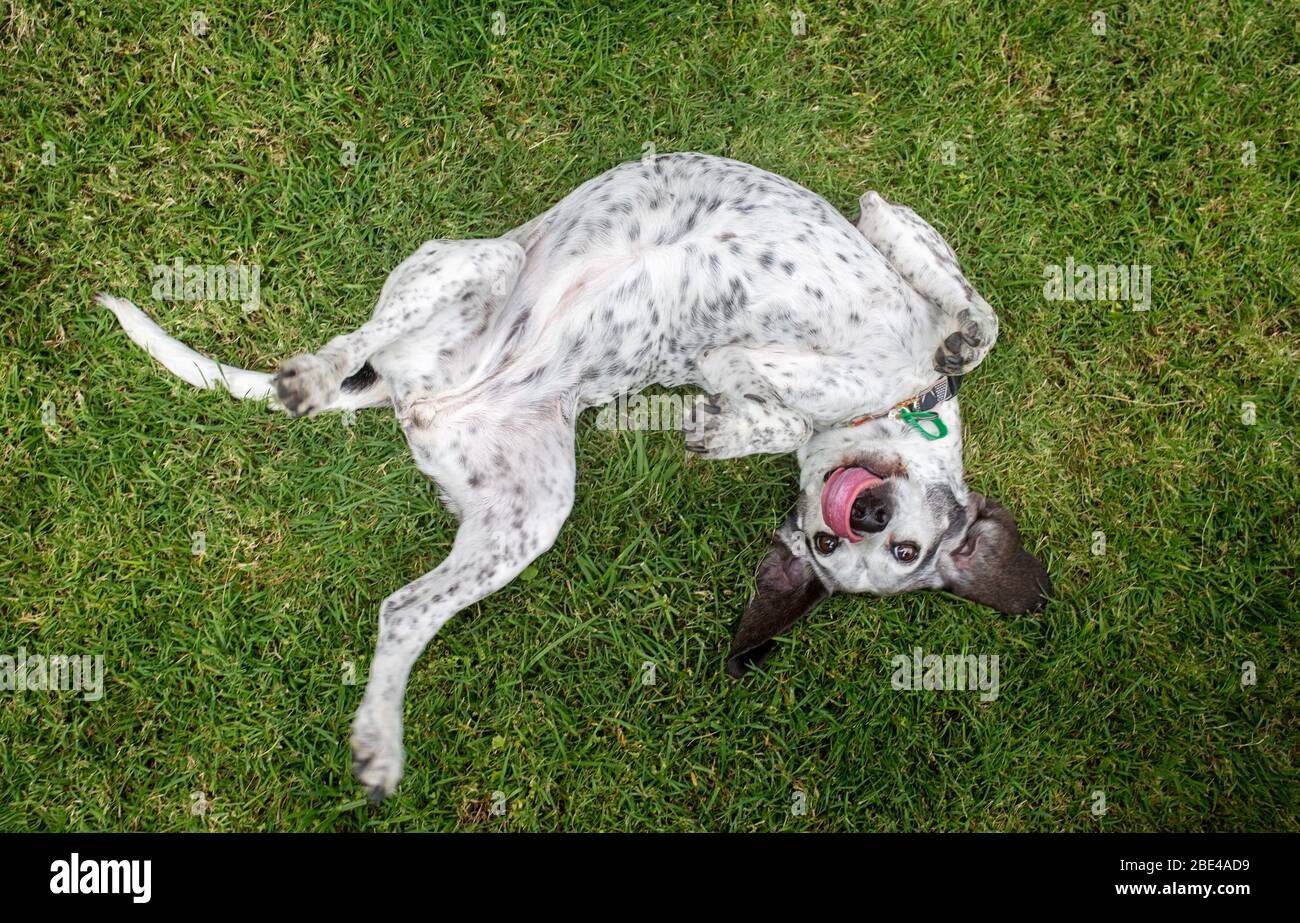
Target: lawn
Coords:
[(323, 145)]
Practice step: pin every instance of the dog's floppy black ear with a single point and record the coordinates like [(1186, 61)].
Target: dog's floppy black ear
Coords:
[(787, 588), (990, 566)]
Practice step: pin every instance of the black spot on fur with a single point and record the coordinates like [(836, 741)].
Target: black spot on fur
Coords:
[(360, 380)]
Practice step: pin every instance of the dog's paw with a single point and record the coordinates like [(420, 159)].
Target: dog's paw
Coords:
[(723, 427), (963, 349), (306, 384), (711, 428), (376, 753)]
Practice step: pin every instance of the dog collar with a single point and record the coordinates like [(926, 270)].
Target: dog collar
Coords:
[(918, 410)]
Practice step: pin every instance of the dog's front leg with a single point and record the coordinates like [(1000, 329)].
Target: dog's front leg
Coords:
[(515, 493), (968, 326), (746, 413), (768, 399)]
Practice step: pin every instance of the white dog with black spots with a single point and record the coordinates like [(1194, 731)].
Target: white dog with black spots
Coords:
[(807, 332)]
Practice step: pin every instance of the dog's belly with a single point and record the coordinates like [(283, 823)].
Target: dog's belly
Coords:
[(637, 273)]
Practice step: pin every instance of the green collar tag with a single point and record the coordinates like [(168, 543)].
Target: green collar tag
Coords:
[(916, 419)]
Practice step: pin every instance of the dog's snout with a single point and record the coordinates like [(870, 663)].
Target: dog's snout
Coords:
[(872, 511)]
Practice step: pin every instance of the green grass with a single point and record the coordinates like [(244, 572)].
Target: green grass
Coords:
[(225, 672)]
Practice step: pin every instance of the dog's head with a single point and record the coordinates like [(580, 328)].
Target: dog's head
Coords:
[(882, 510)]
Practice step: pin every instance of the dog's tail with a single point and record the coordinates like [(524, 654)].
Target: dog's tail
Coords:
[(182, 361)]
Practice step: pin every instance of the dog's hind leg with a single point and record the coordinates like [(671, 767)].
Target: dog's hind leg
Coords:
[(511, 479), (455, 283), (924, 259), (448, 286)]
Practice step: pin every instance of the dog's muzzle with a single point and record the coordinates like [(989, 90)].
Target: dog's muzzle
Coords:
[(851, 504)]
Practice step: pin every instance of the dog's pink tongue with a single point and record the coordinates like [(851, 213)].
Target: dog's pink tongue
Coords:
[(838, 494)]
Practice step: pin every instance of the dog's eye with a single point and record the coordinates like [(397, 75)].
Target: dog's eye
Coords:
[(826, 543), (905, 552)]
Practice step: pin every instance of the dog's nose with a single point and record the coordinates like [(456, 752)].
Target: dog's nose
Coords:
[(871, 511)]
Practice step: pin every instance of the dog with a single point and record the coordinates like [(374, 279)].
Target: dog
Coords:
[(842, 340)]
